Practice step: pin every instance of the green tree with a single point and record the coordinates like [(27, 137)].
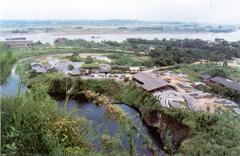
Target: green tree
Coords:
[(89, 60)]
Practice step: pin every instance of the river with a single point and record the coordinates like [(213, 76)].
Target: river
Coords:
[(49, 38)]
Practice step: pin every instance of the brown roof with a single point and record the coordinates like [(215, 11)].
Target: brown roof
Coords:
[(226, 82), (17, 43), (149, 82)]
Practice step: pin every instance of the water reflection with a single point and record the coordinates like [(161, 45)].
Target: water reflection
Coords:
[(11, 86), (103, 124)]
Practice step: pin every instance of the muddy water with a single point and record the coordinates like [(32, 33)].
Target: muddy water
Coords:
[(102, 124)]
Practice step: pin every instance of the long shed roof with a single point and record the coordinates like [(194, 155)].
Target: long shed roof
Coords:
[(150, 82), (226, 82)]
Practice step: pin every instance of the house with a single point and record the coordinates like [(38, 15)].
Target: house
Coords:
[(17, 43), (221, 81), (206, 78), (149, 82), (134, 70), (105, 68), (184, 85), (225, 83), (64, 67), (38, 68)]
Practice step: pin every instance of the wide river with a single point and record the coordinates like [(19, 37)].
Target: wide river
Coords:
[(49, 38)]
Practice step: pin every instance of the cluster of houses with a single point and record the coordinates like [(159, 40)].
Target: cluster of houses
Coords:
[(75, 68), (181, 93), (67, 67)]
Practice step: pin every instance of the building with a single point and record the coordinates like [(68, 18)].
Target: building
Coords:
[(38, 68), (134, 70), (225, 83), (149, 82), (221, 81), (17, 43), (206, 78), (64, 67), (105, 68), (16, 38)]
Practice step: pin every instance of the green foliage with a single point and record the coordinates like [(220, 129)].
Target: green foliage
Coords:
[(226, 92), (90, 66), (212, 134), (75, 57), (130, 59), (89, 60), (7, 59), (219, 71), (70, 67), (37, 120), (194, 71)]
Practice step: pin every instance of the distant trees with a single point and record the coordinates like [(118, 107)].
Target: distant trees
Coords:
[(165, 52), (171, 56)]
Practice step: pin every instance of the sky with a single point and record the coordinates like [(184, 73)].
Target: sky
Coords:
[(204, 11)]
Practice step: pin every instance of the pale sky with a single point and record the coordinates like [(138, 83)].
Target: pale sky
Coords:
[(210, 11)]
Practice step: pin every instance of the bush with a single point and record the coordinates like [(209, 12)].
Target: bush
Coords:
[(88, 60), (70, 67)]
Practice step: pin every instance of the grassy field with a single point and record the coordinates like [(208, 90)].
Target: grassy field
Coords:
[(130, 59)]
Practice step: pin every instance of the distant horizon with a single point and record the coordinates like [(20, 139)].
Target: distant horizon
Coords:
[(116, 19)]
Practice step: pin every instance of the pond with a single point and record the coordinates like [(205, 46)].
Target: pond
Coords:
[(99, 119)]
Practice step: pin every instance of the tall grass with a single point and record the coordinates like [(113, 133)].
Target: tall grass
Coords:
[(32, 123)]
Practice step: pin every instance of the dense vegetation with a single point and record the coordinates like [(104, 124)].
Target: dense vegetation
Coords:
[(6, 62), (165, 52), (210, 134), (194, 71)]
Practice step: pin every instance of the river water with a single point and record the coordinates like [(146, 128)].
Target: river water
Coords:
[(103, 123), (12, 86), (49, 38)]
